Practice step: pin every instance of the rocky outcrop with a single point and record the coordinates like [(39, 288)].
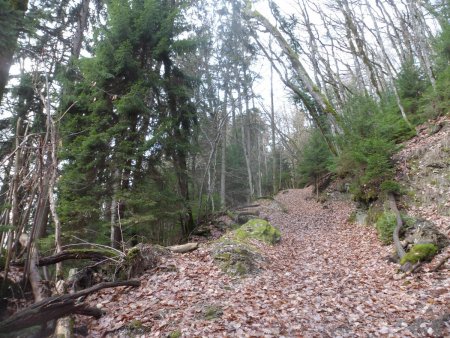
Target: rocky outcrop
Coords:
[(424, 232)]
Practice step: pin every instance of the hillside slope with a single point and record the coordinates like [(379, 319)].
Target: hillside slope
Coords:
[(326, 278), (423, 168)]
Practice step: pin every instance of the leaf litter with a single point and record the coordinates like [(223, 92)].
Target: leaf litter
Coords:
[(327, 278)]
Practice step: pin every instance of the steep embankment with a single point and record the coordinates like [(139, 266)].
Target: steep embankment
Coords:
[(326, 278), (423, 168)]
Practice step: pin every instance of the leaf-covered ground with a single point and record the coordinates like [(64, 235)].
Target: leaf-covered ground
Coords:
[(327, 278)]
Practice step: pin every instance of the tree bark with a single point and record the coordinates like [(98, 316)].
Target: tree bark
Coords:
[(223, 155), (95, 255), (82, 22), (272, 129), (116, 236)]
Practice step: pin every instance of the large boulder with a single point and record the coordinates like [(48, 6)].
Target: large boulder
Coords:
[(236, 258), (258, 229), (424, 232)]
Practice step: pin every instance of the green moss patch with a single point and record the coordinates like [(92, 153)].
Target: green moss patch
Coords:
[(420, 252), (258, 229), (212, 312), (175, 334)]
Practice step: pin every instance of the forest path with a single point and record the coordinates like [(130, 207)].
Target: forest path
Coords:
[(326, 278)]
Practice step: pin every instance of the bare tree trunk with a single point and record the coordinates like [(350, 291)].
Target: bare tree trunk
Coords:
[(223, 154), (420, 44), (245, 146), (39, 291), (315, 101), (272, 129), (52, 200), (259, 183), (388, 67), (116, 238), (14, 200), (360, 50), (82, 22)]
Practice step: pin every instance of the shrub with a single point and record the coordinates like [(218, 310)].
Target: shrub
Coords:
[(420, 252), (385, 225), (315, 159), (390, 186), (370, 133)]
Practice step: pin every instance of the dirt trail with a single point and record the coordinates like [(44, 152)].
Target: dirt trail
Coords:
[(327, 278)]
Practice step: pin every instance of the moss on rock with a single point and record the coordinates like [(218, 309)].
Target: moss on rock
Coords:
[(236, 258), (420, 252), (259, 229)]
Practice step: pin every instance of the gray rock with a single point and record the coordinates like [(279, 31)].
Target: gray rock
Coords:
[(426, 232)]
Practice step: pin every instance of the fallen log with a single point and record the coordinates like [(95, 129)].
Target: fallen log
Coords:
[(183, 248), (248, 206), (57, 307), (92, 254)]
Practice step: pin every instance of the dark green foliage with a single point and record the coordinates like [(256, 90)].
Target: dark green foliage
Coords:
[(436, 100), (385, 225), (315, 159), (411, 84), (420, 253), (128, 135), (371, 131), (391, 186)]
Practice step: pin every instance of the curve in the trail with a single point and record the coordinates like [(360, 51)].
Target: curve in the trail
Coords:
[(327, 278)]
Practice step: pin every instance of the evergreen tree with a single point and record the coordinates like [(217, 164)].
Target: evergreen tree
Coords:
[(132, 111)]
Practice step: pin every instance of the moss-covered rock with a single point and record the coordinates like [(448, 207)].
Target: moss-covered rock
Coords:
[(420, 252), (143, 257), (259, 229), (425, 232), (236, 258)]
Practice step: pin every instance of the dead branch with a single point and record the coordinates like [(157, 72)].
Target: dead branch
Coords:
[(95, 255), (57, 307), (440, 263)]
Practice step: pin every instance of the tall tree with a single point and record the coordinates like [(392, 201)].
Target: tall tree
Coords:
[(11, 24)]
